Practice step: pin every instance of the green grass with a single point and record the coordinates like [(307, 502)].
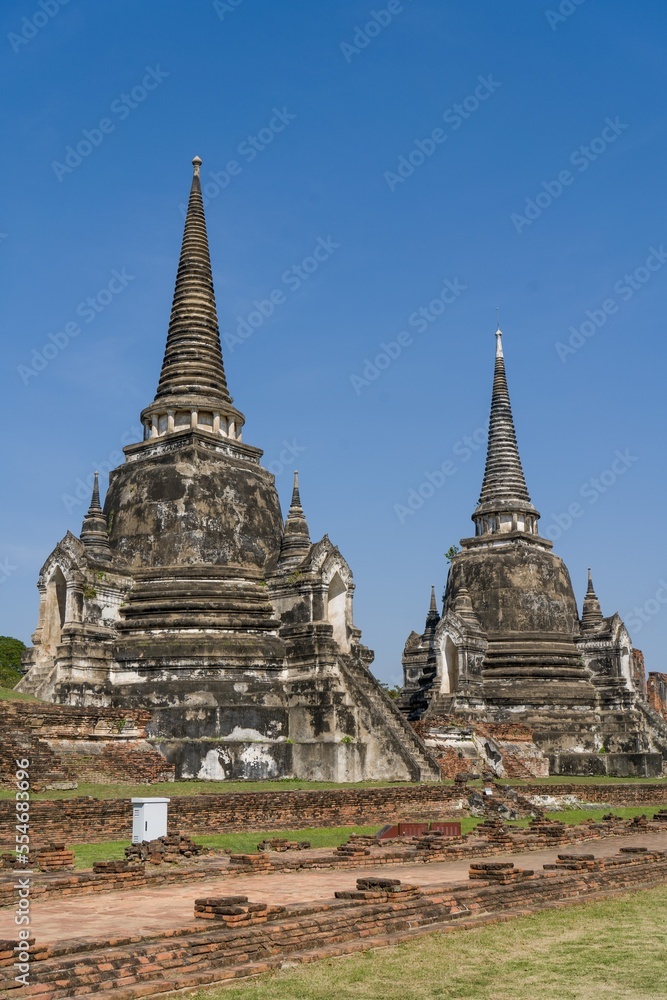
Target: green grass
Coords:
[(9, 694), (611, 950), (246, 843), (174, 788), (627, 812), (562, 779), (85, 855)]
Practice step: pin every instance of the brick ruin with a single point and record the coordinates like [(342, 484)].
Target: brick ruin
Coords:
[(656, 685), (507, 750), (176, 859), (231, 937), (87, 820), (70, 744)]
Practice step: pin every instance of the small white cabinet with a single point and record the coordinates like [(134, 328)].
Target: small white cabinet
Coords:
[(149, 819)]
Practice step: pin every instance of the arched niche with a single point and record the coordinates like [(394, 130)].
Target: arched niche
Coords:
[(55, 608), (449, 680), (626, 665), (336, 610)]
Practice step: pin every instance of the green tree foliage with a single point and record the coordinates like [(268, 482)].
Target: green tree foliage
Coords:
[(394, 691), (10, 661)]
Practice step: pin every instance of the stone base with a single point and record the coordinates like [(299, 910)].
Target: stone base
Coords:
[(614, 765)]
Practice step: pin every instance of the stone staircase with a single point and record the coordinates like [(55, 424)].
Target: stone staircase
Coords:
[(39, 682), (366, 690)]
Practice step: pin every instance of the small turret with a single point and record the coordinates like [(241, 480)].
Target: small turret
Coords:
[(591, 616), (463, 607), (433, 617), (296, 537), (94, 528)]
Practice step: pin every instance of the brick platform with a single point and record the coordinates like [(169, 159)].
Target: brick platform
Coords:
[(143, 865), (261, 936)]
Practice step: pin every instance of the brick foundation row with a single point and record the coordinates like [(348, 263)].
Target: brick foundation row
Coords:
[(85, 820), (489, 840), (259, 937)]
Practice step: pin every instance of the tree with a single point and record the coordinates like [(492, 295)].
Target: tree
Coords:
[(393, 692), (451, 552), (10, 661)]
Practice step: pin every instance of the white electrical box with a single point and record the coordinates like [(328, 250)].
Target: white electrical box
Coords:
[(149, 819)]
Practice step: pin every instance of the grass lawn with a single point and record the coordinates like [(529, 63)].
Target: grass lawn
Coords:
[(173, 788), (613, 950), (9, 694), (244, 843), (562, 779)]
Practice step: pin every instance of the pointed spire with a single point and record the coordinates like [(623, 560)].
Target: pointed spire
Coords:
[(95, 505), (591, 616), (296, 496), (94, 528), (192, 394), (504, 502), (503, 475), (433, 617), (296, 537), (193, 357)]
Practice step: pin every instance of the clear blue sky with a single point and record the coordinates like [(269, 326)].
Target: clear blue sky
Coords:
[(317, 116)]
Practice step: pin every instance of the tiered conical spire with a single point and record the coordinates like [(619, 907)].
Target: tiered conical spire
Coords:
[(192, 392), (591, 616), (296, 537), (193, 357), (94, 528), (433, 617), (504, 502)]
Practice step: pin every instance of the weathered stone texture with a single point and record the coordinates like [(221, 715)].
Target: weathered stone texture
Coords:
[(510, 644), (190, 597)]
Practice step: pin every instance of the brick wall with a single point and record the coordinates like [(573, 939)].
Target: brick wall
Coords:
[(79, 820), (84, 820), (657, 693), (71, 743), (639, 672)]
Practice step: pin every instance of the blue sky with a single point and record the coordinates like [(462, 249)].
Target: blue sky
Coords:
[(453, 158)]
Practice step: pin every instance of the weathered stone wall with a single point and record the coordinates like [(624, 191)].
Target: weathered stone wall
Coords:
[(656, 689), (613, 765), (85, 820)]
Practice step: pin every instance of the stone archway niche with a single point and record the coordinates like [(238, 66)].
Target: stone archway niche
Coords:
[(55, 608), (336, 606)]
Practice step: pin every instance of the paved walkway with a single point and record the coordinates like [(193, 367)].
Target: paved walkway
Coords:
[(140, 911)]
